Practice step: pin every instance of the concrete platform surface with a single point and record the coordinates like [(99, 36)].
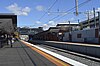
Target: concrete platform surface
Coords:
[(21, 55)]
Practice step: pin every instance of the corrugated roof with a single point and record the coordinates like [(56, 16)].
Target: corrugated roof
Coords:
[(67, 24)]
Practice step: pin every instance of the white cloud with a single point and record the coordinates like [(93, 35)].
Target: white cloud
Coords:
[(14, 8), (26, 9), (38, 22), (45, 26), (49, 24), (98, 10), (40, 8)]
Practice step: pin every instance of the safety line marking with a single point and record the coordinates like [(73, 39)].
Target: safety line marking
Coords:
[(48, 56), (63, 58)]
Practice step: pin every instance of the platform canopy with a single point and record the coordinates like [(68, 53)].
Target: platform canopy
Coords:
[(8, 23)]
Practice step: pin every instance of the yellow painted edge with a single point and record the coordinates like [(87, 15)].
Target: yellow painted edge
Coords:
[(47, 56)]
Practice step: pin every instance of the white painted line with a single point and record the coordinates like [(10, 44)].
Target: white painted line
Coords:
[(63, 58), (93, 45)]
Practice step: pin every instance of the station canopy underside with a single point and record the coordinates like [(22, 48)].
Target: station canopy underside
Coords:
[(8, 23)]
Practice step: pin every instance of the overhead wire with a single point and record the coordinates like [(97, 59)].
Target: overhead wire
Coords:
[(57, 11), (70, 10), (80, 5), (79, 19), (48, 10)]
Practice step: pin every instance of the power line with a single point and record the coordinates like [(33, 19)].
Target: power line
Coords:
[(52, 4), (72, 9), (80, 5), (48, 10), (55, 17), (79, 19)]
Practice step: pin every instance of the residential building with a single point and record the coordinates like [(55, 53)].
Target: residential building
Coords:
[(26, 32), (29, 31), (87, 36), (89, 23), (68, 27)]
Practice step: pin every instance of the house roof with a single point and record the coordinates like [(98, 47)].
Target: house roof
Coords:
[(68, 24), (54, 29)]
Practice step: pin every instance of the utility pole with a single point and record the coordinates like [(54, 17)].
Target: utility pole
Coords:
[(79, 24), (70, 37), (76, 5), (78, 21), (99, 20), (88, 19), (94, 17), (99, 25), (69, 26)]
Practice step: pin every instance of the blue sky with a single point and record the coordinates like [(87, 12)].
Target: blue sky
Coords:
[(30, 11)]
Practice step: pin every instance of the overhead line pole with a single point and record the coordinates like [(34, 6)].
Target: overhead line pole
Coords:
[(88, 14), (94, 17), (99, 26), (76, 4)]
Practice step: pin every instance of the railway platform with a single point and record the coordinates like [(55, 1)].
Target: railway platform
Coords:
[(21, 55)]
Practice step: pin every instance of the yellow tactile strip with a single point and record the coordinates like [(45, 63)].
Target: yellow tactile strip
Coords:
[(49, 57)]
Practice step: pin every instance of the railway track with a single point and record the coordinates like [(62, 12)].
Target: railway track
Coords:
[(88, 60)]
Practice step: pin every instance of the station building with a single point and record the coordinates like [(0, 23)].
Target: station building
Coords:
[(90, 24), (89, 33)]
